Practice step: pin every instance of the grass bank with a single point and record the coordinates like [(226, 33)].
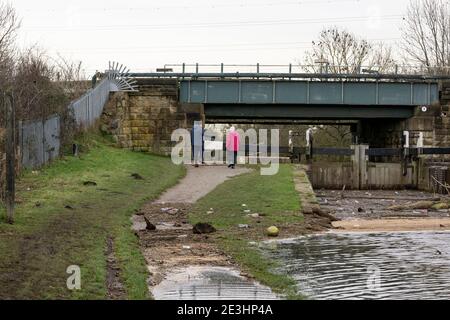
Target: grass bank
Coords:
[(275, 199), (61, 221)]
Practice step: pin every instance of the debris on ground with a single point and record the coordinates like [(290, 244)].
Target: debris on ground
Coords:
[(441, 206), (273, 231), (244, 226), (203, 228), (149, 225), (171, 211), (420, 205), (137, 176), (254, 215)]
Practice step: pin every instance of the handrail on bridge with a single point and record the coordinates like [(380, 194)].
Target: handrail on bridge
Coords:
[(322, 72)]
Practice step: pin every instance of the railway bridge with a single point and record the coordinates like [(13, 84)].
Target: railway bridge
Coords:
[(380, 108)]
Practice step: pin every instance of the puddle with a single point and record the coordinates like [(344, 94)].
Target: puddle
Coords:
[(376, 266), (210, 283)]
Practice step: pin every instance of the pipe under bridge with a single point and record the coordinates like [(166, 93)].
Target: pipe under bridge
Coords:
[(304, 96)]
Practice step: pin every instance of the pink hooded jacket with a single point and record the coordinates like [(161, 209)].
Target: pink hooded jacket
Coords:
[(233, 141)]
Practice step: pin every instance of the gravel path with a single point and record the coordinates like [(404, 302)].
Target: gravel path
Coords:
[(198, 183)]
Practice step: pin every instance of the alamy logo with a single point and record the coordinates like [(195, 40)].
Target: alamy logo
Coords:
[(74, 280), (210, 147), (374, 279)]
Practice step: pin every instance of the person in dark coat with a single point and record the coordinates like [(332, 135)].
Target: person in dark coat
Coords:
[(198, 144)]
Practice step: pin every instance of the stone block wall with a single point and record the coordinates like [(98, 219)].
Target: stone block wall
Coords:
[(144, 120)]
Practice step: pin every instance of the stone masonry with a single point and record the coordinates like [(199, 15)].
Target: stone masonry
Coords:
[(144, 120)]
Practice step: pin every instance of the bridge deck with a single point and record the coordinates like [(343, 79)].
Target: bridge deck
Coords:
[(349, 93)]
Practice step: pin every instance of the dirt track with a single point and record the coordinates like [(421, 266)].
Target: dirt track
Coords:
[(173, 243), (198, 183)]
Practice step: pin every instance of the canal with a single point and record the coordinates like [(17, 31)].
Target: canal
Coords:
[(367, 266)]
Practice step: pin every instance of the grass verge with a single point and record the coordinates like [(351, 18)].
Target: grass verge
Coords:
[(275, 199), (60, 222)]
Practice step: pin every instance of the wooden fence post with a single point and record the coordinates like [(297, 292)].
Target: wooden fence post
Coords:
[(10, 157)]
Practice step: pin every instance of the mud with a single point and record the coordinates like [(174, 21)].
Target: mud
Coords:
[(350, 205), (116, 291), (173, 245), (363, 211)]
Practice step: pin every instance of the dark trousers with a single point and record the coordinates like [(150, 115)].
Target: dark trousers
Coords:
[(233, 161)]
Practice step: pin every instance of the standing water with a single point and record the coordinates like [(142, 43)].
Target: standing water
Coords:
[(395, 266), (210, 283)]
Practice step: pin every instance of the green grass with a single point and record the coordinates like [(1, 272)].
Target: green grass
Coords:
[(47, 237), (275, 198)]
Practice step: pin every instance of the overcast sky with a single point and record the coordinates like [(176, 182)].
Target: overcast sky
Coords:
[(147, 34)]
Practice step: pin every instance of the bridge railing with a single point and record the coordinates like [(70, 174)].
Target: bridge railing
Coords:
[(295, 69)]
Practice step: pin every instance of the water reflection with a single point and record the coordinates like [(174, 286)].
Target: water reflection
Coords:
[(210, 283), (368, 266)]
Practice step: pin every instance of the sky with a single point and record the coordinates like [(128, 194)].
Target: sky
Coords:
[(148, 34)]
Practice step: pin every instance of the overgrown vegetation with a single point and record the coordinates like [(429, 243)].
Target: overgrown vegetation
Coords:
[(60, 222), (275, 199)]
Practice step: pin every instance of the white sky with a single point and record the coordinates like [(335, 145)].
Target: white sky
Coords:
[(146, 34)]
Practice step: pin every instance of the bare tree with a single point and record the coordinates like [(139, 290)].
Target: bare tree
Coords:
[(426, 34), (71, 77), (37, 93), (9, 24), (339, 51)]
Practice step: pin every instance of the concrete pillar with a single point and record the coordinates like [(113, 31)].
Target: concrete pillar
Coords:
[(363, 166), (355, 162), (360, 163)]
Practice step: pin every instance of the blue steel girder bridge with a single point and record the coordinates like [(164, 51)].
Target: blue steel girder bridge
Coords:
[(304, 96)]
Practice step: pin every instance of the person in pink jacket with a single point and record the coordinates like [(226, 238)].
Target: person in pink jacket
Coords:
[(233, 144)]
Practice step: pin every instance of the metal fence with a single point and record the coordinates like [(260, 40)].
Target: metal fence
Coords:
[(40, 142), (88, 109)]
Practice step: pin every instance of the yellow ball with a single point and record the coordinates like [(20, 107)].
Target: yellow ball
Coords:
[(273, 232)]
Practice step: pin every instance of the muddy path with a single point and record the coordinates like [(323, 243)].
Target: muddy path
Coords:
[(171, 244), (366, 211)]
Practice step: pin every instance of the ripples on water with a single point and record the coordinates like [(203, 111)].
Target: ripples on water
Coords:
[(210, 283), (395, 266)]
